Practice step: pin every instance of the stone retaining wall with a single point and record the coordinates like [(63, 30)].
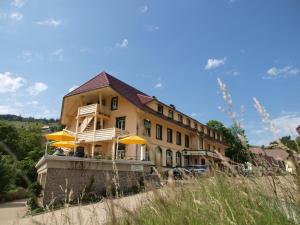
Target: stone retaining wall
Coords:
[(61, 176)]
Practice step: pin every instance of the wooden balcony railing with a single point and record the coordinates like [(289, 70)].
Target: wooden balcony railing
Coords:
[(91, 109), (88, 109), (100, 135)]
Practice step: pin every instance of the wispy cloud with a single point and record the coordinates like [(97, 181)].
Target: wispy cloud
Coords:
[(29, 56), (34, 102), (37, 88), (18, 3), (49, 22), (123, 44), (10, 83), (58, 53), (214, 63), (284, 72), (73, 88), (152, 28), (158, 85), (16, 16), (144, 9)]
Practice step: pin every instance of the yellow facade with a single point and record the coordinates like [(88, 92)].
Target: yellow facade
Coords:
[(162, 153)]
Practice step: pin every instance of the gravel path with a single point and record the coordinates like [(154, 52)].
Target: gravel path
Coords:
[(11, 212)]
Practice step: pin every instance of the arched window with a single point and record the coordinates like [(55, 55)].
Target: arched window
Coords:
[(178, 159), (158, 156), (147, 156), (169, 158)]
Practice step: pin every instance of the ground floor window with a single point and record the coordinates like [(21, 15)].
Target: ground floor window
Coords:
[(202, 161), (121, 151), (169, 158), (178, 159), (147, 156)]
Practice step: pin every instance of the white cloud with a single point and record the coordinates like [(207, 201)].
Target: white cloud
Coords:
[(16, 16), (214, 63), (6, 109), (144, 9), (49, 22), (37, 88), (123, 44), (286, 71), (18, 3), (158, 85), (286, 124), (73, 88), (10, 83), (152, 28), (59, 54)]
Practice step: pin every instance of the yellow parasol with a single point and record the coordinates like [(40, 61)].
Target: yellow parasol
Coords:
[(133, 140), (63, 144), (60, 136)]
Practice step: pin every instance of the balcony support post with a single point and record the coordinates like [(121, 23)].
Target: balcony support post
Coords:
[(94, 134), (76, 130)]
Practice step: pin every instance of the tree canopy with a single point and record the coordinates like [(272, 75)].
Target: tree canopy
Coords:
[(234, 136)]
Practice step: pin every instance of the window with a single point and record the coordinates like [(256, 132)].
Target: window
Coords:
[(114, 103), (171, 114), (178, 159), (195, 125), (170, 135), (202, 161), (188, 122), (160, 109), (158, 132), (98, 125), (121, 151), (180, 118), (187, 141), (147, 126), (169, 158), (120, 123), (201, 142), (178, 138)]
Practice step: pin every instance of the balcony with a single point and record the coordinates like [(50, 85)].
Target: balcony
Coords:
[(93, 109), (100, 135)]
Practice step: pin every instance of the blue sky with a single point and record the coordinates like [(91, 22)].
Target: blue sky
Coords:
[(174, 50)]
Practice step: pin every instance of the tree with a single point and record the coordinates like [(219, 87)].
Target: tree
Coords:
[(6, 173), (288, 142), (235, 138)]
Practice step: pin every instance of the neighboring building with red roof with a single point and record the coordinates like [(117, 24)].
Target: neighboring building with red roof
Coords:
[(103, 108), (273, 157)]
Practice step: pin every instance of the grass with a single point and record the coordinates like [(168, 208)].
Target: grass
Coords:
[(220, 200)]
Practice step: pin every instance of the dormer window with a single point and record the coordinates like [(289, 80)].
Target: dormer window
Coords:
[(180, 118), (114, 103), (171, 114), (160, 109)]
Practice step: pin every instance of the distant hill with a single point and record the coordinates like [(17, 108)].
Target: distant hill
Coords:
[(10, 117)]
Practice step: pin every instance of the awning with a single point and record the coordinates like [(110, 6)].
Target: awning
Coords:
[(200, 153), (133, 140), (60, 136), (63, 144)]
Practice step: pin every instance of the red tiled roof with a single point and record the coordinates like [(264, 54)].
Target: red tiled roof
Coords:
[(104, 79), (277, 154)]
